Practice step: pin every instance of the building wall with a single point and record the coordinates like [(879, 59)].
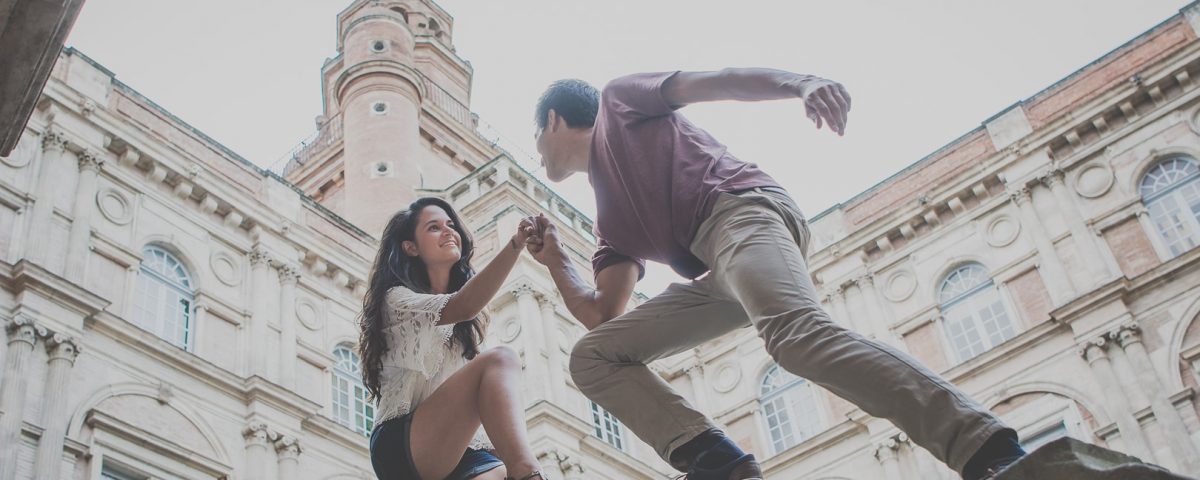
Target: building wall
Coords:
[(1044, 197)]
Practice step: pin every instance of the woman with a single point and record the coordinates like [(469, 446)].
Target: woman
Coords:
[(419, 344)]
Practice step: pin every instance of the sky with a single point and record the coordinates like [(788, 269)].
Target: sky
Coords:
[(920, 72)]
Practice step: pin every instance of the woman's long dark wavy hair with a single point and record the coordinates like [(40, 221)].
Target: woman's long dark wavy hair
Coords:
[(395, 268)]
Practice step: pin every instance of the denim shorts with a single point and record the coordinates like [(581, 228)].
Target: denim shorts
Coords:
[(391, 456)]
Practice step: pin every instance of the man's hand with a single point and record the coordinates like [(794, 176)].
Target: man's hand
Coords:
[(826, 102), (544, 245)]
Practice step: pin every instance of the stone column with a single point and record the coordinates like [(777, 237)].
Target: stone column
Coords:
[(260, 270), (556, 360), (1130, 338), (81, 215), (199, 317), (887, 452), (63, 351), (535, 361), (54, 147), (695, 374), (287, 451), (23, 333), (288, 276), (881, 322), (257, 437), (1085, 241), (840, 310), (1115, 400), (1057, 280)]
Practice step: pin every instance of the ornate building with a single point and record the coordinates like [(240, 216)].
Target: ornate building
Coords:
[(174, 311)]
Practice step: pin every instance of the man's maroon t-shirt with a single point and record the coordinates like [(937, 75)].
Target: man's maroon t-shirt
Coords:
[(656, 177)]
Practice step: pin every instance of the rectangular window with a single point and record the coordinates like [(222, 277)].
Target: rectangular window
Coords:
[(607, 427)]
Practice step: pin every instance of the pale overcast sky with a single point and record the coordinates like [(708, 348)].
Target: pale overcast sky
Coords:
[(921, 72)]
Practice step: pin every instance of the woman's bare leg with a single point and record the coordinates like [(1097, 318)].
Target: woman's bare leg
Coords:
[(487, 390)]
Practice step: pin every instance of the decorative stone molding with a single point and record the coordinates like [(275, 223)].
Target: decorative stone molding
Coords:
[(1127, 334), (289, 274), (114, 205), (1052, 177), (510, 329), (1020, 195), (1094, 179), (62, 347), (287, 447), (1002, 231), (257, 434), (54, 141), (259, 257), (899, 285), (521, 290), (226, 268), (1093, 350), (23, 328), (309, 314), (888, 448), (90, 160), (726, 376)]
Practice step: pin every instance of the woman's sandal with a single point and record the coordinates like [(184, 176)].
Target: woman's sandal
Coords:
[(536, 473)]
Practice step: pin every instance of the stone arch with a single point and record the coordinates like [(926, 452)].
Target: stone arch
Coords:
[(1175, 345), (1099, 415), (1151, 160), (133, 389), (167, 243), (949, 267)]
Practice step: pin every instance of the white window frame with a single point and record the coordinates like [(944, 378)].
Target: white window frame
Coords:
[(358, 413), (970, 299), (608, 428), (1172, 192), (799, 429), (1044, 415), (181, 288)]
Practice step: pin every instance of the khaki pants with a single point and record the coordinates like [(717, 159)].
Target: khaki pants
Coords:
[(755, 244)]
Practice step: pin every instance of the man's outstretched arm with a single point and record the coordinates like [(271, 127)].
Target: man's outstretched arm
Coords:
[(591, 306), (825, 101)]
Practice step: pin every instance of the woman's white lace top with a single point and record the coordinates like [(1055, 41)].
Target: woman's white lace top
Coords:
[(420, 355)]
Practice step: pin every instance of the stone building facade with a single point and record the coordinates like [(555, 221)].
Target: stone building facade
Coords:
[(173, 311)]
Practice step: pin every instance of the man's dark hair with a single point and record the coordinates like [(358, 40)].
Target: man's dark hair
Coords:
[(574, 100)]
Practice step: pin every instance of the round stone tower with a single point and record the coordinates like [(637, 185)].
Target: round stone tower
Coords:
[(379, 97)]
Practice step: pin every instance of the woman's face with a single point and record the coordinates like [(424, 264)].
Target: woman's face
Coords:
[(436, 241)]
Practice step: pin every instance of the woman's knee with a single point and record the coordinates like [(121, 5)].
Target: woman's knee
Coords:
[(501, 357)]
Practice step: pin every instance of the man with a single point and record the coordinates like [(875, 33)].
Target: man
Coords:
[(667, 191)]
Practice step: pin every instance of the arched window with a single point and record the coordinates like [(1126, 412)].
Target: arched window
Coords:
[(350, 405), (789, 406), (1171, 193), (607, 427), (975, 317), (164, 297)]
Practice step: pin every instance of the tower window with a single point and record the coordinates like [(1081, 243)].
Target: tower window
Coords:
[(379, 46), (379, 108)]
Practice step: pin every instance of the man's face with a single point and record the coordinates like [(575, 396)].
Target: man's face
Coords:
[(551, 147)]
